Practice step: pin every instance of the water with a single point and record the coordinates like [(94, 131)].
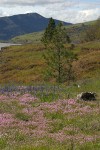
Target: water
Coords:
[(6, 45)]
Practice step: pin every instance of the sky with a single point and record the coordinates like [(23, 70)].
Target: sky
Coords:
[(73, 11)]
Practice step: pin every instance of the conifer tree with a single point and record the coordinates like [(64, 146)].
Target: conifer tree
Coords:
[(57, 58), (48, 34)]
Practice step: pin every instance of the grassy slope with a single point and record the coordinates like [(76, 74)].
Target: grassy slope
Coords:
[(34, 37), (88, 64), (75, 31), (25, 64), (21, 64)]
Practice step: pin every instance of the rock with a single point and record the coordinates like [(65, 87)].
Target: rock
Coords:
[(87, 96)]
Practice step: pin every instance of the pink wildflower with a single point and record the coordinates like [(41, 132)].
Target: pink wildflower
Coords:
[(6, 119), (27, 98), (71, 102)]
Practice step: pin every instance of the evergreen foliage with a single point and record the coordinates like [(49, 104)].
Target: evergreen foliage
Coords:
[(47, 37), (57, 58)]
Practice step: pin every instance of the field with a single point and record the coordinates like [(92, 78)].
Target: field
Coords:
[(49, 116), (39, 118)]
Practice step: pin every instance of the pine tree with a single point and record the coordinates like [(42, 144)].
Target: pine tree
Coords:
[(57, 58), (48, 34)]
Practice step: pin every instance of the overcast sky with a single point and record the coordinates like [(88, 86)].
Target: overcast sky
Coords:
[(74, 11)]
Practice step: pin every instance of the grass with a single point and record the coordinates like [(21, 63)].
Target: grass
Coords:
[(23, 61), (3, 143), (55, 115), (22, 116), (76, 31), (31, 124), (34, 37), (51, 124), (10, 107), (25, 64)]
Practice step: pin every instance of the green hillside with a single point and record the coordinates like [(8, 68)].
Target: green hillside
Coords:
[(34, 37), (76, 32)]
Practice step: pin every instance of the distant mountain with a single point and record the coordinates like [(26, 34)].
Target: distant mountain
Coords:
[(22, 24)]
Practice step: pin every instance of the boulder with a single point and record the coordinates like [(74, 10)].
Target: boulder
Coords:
[(87, 96)]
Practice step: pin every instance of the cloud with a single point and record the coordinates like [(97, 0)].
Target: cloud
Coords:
[(3, 13), (90, 14), (30, 2), (74, 11)]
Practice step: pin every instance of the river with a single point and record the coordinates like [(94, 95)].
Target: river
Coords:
[(6, 45)]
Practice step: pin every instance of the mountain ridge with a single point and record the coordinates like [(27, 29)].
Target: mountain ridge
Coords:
[(15, 25)]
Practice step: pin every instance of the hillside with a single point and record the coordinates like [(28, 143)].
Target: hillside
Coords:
[(75, 31), (22, 24), (25, 64), (34, 37)]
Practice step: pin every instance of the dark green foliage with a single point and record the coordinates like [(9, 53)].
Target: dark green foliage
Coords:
[(58, 59), (48, 34)]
